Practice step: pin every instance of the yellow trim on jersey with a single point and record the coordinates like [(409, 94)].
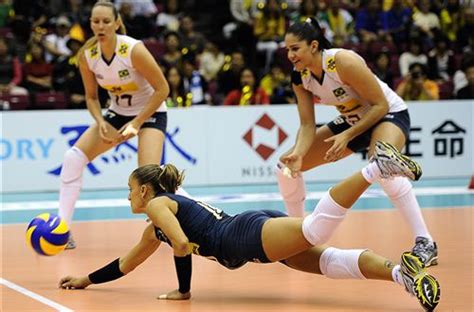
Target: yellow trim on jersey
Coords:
[(331, 64), (348, 106), (123, 49), (118, 89), (94, 52), (304, 73)]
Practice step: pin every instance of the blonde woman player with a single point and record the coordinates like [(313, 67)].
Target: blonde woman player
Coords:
[(263, 236), (370, 112), (137, 90)]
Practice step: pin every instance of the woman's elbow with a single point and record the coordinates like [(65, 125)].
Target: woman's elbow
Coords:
[(181, 247), (383, 107)]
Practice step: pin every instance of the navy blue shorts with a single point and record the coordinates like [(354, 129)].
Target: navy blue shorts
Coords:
[(158, 120), (361, 142), (242, 238)]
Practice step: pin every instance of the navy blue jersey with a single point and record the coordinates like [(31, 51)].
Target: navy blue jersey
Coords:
[(230, 240)]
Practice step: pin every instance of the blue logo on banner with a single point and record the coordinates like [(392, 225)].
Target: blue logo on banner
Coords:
[(118, 154)]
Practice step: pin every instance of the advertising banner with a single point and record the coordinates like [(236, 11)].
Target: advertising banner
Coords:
[(220, 145)]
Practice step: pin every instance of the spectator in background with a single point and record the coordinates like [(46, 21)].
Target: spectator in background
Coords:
[(451, 19), (172, 55), (229, 76), (239, 32), (277, 86), (67, 78), (413, 55), (145, 8), (6, 10), (466, 32), (311, 8), (212, 60), (249, 92), (55, 43), (459, 78), (369, 22), (382, 68), (178, 97), (269, 29), (416, 86), (341, 23), (441, 60), (425, 20), (189, 38), (194, 82), (10, 71), (38, 73), (273, 81), (168, 19), (396, 22), (467, 92), (135, 26), (29, 14)]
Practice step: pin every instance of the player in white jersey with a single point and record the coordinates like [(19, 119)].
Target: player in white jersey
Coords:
[(370, 112), (137, 90)]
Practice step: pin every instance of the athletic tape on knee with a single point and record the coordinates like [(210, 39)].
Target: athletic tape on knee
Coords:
[(293, 191), (396, 187), (319, 226), (341, 264), (73, 166)]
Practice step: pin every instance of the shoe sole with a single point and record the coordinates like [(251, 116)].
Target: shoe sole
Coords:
[(433, 261), (412, 264), (410, 165), (427, 291)]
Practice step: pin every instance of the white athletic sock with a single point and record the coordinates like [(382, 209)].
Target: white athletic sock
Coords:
[(323, 221), (71, 182), (400, 192), (293, 192), (397, 275), (371, 172)]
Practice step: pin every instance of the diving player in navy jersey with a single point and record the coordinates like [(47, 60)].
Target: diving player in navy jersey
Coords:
[(369, 112), (193, 227)]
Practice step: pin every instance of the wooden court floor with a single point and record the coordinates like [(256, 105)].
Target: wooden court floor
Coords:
[(255, 287)]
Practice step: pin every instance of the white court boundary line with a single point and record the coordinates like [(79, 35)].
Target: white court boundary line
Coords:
[(35, 296), (217, 199)]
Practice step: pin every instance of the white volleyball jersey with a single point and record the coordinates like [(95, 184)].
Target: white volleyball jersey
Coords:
[(128, 90), (332, 91)]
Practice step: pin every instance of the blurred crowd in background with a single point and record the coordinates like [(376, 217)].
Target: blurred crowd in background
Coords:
[(221, 52)]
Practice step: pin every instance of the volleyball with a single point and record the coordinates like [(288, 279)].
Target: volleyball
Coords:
[(47, 234)]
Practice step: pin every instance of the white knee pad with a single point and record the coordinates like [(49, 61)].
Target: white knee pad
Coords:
[(293, 191), (341, 264), (396, 187), (73, 165), (319, 226)]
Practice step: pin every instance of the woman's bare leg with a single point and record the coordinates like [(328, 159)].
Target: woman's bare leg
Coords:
[(293, 189)]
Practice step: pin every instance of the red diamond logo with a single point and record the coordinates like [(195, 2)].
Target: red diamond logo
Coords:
[(265, 136)]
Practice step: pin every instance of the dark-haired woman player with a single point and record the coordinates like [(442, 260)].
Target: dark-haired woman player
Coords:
[(190, 226), (369, 112)]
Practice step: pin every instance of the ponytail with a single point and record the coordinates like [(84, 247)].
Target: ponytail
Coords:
[(309, 31), (162, 179)]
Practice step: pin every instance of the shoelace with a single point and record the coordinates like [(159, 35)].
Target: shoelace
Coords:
[(421, 247)]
